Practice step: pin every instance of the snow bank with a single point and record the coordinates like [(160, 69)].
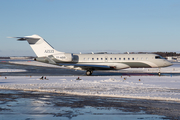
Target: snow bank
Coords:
[(12, 70), (141, 87)]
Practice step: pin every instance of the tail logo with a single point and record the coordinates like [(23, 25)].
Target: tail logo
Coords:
[(49, 51)]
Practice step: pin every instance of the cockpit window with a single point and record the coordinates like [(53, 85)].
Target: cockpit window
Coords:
[(158, 57)]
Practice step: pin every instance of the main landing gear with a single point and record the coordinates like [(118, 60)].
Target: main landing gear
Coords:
[(159, 73), (89, 72)]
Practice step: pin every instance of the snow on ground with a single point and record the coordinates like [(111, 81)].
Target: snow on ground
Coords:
[(141, 87), (152, 70), (12, 70)]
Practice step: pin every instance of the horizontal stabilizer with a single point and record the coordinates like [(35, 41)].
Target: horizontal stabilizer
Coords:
[(25, 38)]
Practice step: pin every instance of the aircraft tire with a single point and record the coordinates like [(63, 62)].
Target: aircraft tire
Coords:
[(159, 73), (89, 72)]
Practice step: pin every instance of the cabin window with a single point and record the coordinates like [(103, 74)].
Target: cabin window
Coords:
[(110, 58), (119, 58), (132, 58), (158, 57), (88, 58), (105, 58), (92, 58), (84, 58), (147, 58), (124, 58), (128, 58), (114, 58), (97, 58), (101, 58), (136, 58), (141, 58)]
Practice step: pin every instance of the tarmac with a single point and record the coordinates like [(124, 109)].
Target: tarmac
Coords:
[(18, 105)]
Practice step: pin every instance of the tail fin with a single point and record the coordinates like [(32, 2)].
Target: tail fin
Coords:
[(39, 45)]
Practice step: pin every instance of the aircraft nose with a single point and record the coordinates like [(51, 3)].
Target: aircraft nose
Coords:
[(168, 63)]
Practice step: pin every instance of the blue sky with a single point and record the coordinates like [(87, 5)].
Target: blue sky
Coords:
[(91, 25)]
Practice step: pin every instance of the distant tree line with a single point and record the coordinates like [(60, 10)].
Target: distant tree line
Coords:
[(164, 54), (4, 57), (23, 57)]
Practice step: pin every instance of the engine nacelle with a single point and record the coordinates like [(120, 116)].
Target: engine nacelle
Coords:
[(41, 59), (64, 57)]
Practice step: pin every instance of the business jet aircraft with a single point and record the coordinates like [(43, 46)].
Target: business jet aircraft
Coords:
[(90, 62)]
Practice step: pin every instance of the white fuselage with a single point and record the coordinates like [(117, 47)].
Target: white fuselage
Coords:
[(116, 61)]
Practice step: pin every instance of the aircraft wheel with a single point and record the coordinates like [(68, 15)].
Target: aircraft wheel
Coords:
[(159, 73), (89, 72)]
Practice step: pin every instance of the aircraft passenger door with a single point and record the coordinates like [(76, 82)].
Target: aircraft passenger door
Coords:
[(106, 59)]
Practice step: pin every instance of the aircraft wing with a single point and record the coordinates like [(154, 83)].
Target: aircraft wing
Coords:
[(80, 66), (94, 66)]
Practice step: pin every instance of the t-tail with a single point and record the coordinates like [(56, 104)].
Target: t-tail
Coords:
[(39, 45)]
